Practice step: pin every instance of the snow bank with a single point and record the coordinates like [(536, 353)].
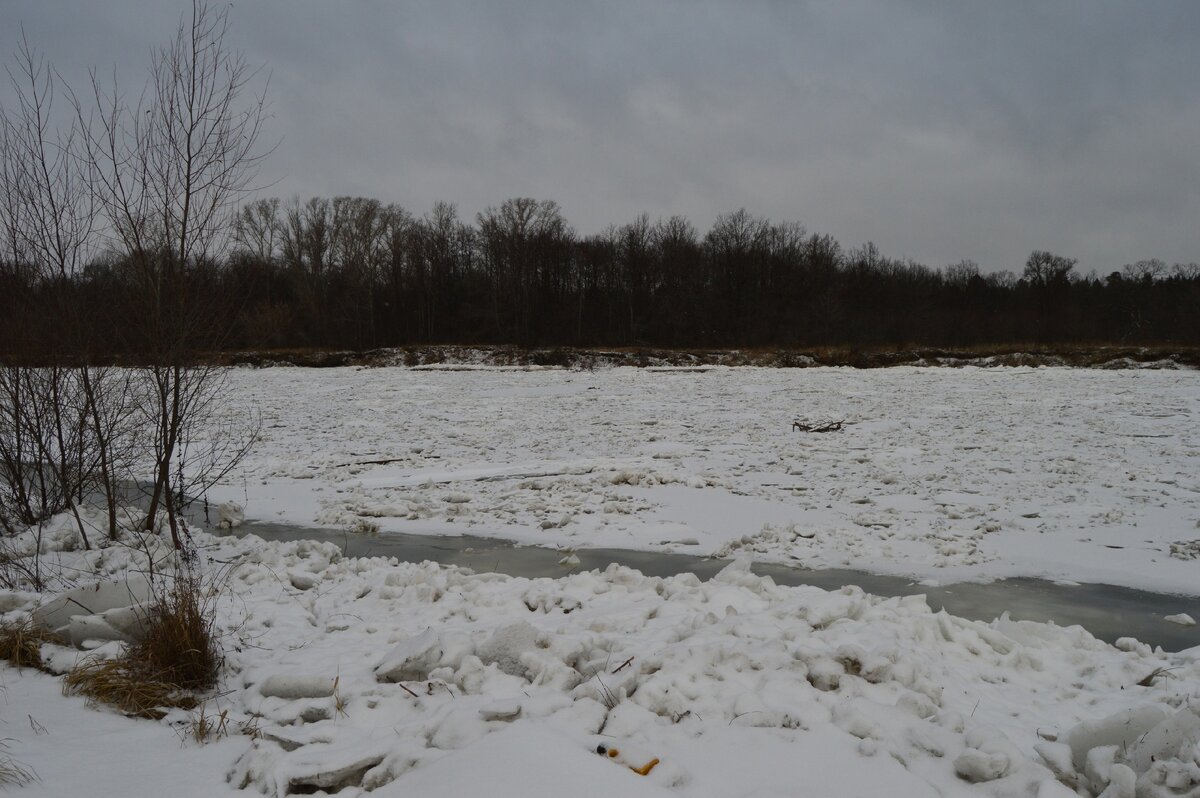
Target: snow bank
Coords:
[(98, 612), (404, 678), (443, 674)]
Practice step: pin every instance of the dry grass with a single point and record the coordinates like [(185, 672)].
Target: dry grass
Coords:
[(131, 689), (21, 644), (178, 644), (339, 702), (204, 727), (12, 772), (1148, 681), (176, 657), (250, 728)]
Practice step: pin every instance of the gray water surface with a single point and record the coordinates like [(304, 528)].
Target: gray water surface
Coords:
[(1107, 611)]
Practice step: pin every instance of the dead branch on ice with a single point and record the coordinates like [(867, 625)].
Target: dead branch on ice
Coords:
[(829, 426)]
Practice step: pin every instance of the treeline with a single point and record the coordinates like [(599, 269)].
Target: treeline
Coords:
[(355, 273)]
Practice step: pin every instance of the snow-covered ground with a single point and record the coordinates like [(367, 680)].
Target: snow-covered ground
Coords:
[(946, 474), (376, 677), (370, 677)]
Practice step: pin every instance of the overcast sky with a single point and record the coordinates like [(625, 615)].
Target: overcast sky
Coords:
[(938, 130)]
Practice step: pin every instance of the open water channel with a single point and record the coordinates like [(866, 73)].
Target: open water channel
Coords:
[(1107, 611)]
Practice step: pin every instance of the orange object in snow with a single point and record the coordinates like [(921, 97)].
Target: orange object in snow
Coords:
[(636, 761)]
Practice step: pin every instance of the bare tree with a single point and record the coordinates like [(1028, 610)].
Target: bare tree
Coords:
[(56, 440), (358, 250), (1044, 269), (1146, 271), (258, 230), (1187, 271), (962, 274), (170, 171), (518, 242), (48, 456), (306, 246)]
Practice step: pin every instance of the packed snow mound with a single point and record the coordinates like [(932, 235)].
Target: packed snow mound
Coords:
[(412, 659), (433, 664), (1146, 751), (405, 678), (98, 612), (230, 515), (297, 686)]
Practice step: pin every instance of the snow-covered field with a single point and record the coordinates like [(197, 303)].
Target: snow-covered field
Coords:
[(376, 677), (945, 474)]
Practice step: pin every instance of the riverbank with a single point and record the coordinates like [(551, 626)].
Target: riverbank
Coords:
[(1106, 356)]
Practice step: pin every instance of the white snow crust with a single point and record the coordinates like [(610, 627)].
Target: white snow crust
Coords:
[(372, 677), (953, 474), (390, 679)]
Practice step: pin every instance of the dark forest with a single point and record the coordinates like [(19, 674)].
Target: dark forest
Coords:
[(355, 273)]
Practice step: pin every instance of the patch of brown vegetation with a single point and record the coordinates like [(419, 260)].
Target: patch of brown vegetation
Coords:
[(176, 657), (178, 643), (126, 685), (21, 644)]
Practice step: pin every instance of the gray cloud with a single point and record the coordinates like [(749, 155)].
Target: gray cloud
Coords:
[(940, 131)]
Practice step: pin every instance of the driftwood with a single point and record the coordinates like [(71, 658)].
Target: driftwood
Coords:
[(385, 461), (623, 665), (829, 426)]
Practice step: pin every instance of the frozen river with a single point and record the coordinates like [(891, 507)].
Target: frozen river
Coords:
[(941, 475)]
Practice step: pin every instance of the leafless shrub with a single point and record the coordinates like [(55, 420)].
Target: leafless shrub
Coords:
[(17, 571), (108, 401), (47, 454), (59, 425)]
